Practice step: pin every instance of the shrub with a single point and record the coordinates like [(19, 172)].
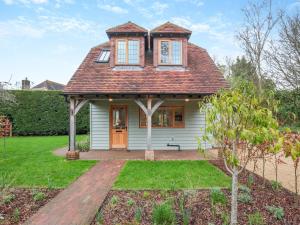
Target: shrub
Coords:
[(16, 215), (99, 218), (163, 214), (277, 212), (250, 180), (8, 198), (83, 146), (244, 189), (217, 196), (42, 113), (39, 196), (225, 218), (138, 215), (130, 202), (276, 185), (244, 198), (114, 200), (255, 219), (146, 194), (185, 212)]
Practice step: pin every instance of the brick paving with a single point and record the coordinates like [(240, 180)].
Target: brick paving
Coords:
[(79, 203), (138, 155)]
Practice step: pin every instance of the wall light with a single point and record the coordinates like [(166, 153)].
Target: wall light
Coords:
[(110, 99), (187, 100)]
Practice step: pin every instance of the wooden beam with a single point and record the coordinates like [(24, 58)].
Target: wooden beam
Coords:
[(149, 110), (72, 121), (80, 104)]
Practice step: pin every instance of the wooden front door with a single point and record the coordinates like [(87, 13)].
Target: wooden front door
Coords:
[(118, 127)]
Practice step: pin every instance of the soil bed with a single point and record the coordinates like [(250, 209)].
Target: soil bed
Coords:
[(120, 207), (22, 204)]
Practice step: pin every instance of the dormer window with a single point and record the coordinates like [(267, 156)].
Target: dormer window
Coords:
[(127, 52), (170, 52)]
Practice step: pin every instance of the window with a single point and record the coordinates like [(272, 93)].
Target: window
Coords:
[(128, 52), (165, 117), (104, 56), (170, 52)]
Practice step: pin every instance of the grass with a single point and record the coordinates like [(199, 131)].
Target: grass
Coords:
[(30, 162), (170, 175)]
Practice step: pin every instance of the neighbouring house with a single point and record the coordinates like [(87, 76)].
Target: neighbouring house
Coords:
[(49, 85), (143, 89)]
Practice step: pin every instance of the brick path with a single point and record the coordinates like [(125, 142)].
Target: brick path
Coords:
[(79, 203)]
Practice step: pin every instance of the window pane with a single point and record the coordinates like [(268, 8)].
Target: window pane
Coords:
[(133, 51), (176, 52), (164, 52), (178, 114), (121, 50), (104, 56)]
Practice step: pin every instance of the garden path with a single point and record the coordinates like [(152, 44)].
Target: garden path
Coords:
[(79, 203)]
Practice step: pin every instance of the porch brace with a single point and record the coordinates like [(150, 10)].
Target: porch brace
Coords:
[(75, 106), (149, 153)]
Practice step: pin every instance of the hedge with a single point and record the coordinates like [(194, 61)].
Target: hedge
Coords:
[(42, 113)]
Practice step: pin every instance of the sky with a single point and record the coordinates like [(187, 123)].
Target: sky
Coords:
[(48, 39)]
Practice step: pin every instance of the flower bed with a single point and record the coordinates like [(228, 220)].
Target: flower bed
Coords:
[(136, 207), (18, 204)]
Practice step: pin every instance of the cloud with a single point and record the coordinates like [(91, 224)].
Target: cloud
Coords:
[(113, 8), (159, 7), (195, 27), (42, 25), (25, 2)]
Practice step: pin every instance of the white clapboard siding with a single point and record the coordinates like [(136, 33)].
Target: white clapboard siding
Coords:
[(185, 137)]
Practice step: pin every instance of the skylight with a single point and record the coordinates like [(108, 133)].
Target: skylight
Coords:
[(104, 56)]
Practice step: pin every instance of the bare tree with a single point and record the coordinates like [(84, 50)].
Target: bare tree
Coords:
[(258, 24), (284, 54), (5, 96)]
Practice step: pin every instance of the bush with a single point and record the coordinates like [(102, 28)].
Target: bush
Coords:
[(114, 200), (244, 198), (130, 202), (83, 146), (255, 219), (8, 198), (217, 196), (277, 212), (42, 113), (244, 189), (163, 214), (38, 196), (138, 215), (276, 185)]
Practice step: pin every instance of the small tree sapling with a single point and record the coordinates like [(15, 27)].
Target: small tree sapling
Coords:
[(237, 121)]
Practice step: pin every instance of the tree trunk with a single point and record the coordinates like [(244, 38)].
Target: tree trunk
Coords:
[(234, 196), (263, 169), (276, 169), (234, 190)]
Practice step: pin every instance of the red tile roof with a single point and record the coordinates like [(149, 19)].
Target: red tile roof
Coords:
[(200, 77), (128, 27), (169, 27)]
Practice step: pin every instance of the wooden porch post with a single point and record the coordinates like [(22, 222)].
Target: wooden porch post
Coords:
[(72, 131), (149, 153), (74, 107)]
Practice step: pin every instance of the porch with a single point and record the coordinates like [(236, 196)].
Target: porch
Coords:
[(142, 123), (140, 155)]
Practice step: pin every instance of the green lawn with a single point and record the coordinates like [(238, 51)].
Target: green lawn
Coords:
[(29, 162), (145, 175)]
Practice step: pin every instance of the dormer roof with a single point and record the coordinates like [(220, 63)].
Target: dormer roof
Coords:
[(169, 28), (128, 28)]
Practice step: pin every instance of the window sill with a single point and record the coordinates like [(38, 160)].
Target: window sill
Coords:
[(127, 68), (170, 68)]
